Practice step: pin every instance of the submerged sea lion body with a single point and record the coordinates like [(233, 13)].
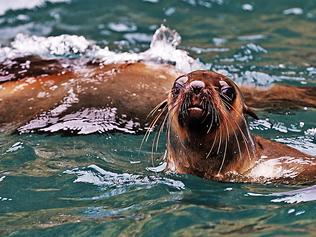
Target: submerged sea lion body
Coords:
[(208, 136), (110, 96)]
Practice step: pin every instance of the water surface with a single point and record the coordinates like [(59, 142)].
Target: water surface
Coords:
[(98, 184)]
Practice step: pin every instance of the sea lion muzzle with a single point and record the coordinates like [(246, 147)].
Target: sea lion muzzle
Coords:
[(196, 87), (197, 112)]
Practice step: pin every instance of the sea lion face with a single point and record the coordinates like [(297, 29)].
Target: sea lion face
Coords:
[(202, 102), (207, 129)]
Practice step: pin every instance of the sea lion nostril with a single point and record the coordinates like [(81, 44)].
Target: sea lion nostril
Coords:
[(197, 86)]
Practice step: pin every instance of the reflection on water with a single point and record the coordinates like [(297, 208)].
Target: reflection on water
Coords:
[(99, 185), (297, 196), (97, 176)]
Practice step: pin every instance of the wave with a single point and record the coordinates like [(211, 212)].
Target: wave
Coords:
[(95, 175), (163, 49), (306, 194)]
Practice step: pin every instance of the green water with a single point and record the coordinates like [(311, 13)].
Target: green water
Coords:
[(98, 185)]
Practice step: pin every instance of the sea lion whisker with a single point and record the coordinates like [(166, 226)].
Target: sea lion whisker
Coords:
[(170, 130), (224, 157), (209, 153), (227, 136), (156, 138), (236, 138), (242, 133), (214, 114), (205, 108), (161, 112), (246, 126), (152, 151), (244, 139), (151, 125), (220, 141), (161, 105), (160, 130), (226, 98), (228, 123), (249, 138), (169, 124), (211, 125), (186, 105), (154, 121)]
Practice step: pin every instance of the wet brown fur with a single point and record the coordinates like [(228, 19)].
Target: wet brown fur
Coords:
[(236, 152)]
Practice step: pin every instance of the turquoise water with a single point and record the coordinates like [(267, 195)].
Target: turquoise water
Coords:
[(98, 185)]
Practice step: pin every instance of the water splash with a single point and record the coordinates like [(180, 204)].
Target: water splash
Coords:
[(248, 52), (163, 49), (86, 121), (16, 146), (46, 47), (303, 143), (2, 178), (296, 196), (100, 177)]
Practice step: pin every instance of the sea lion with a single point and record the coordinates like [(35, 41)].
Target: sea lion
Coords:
[(211, 140), (84, 98), (208, 136), (80, 97)]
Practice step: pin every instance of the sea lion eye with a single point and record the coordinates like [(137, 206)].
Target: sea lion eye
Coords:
[(227, 92), (178, 84)]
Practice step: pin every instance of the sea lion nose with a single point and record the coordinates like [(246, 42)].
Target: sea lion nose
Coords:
[(197, 86)]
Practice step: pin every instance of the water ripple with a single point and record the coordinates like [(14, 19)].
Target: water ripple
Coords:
[(100, 177)]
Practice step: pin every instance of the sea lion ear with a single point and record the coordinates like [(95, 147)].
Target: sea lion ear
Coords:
[(250, 112)]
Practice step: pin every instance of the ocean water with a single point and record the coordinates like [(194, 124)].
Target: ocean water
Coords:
[(99, 184)]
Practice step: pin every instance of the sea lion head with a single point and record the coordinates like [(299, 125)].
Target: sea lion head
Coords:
[(206, 116)]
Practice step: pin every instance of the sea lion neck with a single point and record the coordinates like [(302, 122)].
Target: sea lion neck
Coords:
[(211, 156)]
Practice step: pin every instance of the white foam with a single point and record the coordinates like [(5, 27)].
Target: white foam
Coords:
[(296, 196), (95, 175), (2, 178), (301, 143), (293, 11), (273, 169), (163, 48), (247, 7), (122, 27), (62, 45), (16, 146), (310, 132)]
